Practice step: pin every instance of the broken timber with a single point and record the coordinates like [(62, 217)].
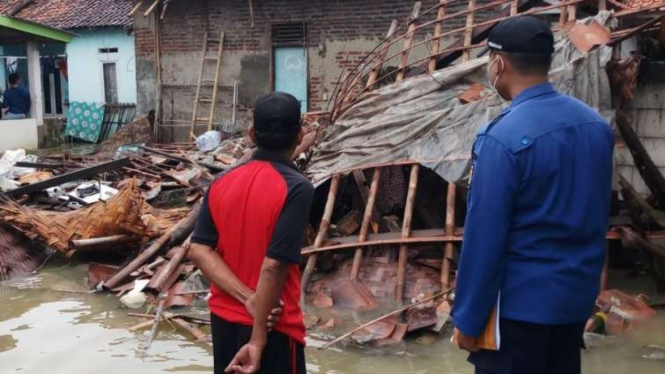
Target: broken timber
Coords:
[(84, 173)]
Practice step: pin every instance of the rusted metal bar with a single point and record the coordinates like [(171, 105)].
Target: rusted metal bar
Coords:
[(446, 266), (406, 232), (156, 285), (364, 228), (323, 231), (438, 29), (408, 39), (382, 55), (468, 34), (175, 234), (104, 242)]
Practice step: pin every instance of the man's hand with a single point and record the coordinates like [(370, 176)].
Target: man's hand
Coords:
[(247, 360), (467, 343), (275, 314)]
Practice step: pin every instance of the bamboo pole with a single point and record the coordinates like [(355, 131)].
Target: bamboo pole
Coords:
[(438, 29), (563, 13), (514, 7), (468, 34), (96, 243), (393, 313), (159, 280), (176, 233), (195, 109), (406, 232), (218, 66), (367, 218), (408, 39), (323, 232), (382, 55), (450, 230)]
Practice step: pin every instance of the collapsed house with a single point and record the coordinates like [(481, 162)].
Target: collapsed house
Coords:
[(390, 158)]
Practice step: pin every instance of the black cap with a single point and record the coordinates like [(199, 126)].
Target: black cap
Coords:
[(277, 112), (524, 34)]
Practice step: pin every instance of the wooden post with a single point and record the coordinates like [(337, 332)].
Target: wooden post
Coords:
[(572, 12), (136, 7), (563, 13), (381, 56), (438, 29), (364, 228), (468, 33), (514, 5), (321, 235), (375, 222), (450, 230), (408, 39), (406, 232)]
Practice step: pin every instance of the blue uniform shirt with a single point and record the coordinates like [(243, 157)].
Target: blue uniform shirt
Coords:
[(17, 100), (538, 210)]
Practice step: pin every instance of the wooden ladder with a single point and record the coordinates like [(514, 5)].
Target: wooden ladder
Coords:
[(211, 101)]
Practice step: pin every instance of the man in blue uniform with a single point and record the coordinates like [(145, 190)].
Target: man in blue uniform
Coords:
[(538, 206)]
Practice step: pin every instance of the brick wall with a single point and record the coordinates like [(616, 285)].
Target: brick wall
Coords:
[(340, 33)]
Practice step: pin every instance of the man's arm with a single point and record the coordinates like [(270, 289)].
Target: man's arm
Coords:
[(284, 252), (495, 182)]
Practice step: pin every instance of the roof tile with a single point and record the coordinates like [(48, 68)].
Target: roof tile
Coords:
[(71, 14)]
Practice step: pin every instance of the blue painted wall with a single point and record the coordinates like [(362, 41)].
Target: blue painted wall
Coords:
[(86, 82)]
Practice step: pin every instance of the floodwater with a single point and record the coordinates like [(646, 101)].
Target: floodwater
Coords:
[(48, 324)]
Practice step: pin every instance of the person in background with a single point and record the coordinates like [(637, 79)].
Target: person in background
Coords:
[(538, 211), (16, 99), (247, 242)]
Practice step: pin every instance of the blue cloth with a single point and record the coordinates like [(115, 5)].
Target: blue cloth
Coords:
[(538, 211), (17, 100)]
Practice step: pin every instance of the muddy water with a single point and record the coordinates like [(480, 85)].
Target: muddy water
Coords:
[(47, 325)]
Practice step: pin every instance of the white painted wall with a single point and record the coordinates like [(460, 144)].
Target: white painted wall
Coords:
[(23, 134), (86, 81)]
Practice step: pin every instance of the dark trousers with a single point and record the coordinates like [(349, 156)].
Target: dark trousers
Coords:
[(282, 355), (529, 348)]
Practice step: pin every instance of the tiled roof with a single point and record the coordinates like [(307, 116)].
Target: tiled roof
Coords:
[(71, 14)]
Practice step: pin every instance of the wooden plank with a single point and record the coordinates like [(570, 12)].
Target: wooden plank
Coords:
[(438, 29), (197, 96), (364, 228), (323, 232), (382, 55), (406, 232), (450, 230), (84, 173), (408, 39), (215, 88), (468, 33)]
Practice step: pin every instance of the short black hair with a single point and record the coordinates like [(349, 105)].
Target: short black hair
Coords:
[(531, 64), (13, 78), (276, 141)]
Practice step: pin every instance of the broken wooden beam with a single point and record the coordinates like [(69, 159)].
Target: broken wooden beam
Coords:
[(84, 173), (446, 266), (170, 156), (381, 55), (176, 234), (406, 232), (157, 283), (438, 29), (643, 162)]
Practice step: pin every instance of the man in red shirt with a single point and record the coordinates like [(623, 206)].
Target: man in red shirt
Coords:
[(247, 242)]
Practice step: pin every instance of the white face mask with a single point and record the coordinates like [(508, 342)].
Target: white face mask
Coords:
[(489, 67)]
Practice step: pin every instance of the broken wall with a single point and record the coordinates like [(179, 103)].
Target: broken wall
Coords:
[(340, 34)]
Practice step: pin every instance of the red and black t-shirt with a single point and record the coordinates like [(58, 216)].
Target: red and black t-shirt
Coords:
[(258, 210)]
